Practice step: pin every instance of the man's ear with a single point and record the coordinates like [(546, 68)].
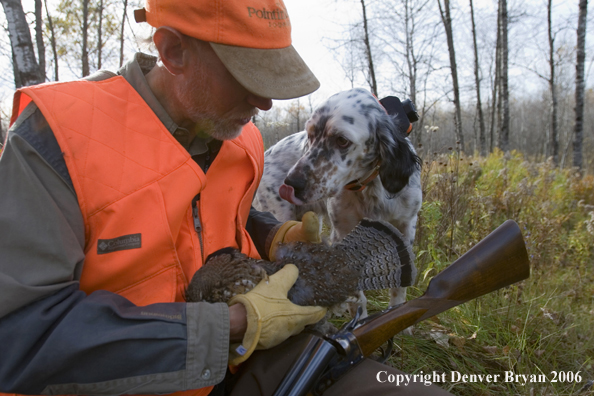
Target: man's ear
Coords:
[(171, 44)]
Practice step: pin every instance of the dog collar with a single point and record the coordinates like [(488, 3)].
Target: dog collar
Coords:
[(362, 182)]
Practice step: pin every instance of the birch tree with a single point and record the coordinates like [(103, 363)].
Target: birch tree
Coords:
[(25, 66), (504, 95), (580, 86), (477, 80), (554, 134)]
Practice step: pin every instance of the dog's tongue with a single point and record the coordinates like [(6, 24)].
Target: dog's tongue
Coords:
[(288, 194)]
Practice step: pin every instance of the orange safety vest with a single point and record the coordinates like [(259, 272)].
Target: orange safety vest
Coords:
[(135, 184)]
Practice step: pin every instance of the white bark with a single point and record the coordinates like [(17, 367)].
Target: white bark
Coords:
[(22, 46)]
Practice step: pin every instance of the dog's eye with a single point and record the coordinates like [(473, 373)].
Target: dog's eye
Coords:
[(342, 142)]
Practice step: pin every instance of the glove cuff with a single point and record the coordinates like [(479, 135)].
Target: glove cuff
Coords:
[(238, 353), (279, 237)]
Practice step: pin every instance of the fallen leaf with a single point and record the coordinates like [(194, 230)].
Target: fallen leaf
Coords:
[(440, 338)]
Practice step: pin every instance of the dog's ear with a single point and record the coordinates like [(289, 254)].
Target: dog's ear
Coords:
[(399, 161)]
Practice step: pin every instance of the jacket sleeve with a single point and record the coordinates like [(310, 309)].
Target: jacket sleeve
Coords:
[(262, 227), (55, 339)]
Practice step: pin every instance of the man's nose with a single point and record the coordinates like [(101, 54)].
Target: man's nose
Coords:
[(260, 102)]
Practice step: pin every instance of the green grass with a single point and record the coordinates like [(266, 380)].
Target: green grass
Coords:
[(541, 325)]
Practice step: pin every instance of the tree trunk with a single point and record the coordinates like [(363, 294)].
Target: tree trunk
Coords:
[(479, 105), (53, 42), (26, 69), (554, 138), (410, 56), (411, 64), (122, 33), (99, 39), (447, 23), (84, 50), (493, 112), (495, 95), (372, 82), (39, 38), (496, 110), (504, 133), (15, 72), (579, 86)]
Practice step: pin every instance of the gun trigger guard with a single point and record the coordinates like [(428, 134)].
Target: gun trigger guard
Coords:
[(386, 353), (349, 355)]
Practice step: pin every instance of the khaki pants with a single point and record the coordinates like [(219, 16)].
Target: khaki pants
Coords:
[(264, 370)]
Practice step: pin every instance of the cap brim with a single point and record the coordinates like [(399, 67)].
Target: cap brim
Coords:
[(270, 73)]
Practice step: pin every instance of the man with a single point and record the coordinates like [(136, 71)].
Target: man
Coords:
[(116, 189)]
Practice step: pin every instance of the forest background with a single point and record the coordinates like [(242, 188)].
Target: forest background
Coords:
[(504, 91)]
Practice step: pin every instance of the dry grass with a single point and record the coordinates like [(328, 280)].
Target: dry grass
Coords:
[(538, 326)]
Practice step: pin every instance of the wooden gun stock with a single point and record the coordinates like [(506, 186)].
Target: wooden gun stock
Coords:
[(497, 261)]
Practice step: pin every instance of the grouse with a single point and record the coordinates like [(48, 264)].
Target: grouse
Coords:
[(374, 255)]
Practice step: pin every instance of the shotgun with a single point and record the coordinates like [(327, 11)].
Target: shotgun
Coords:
[(497, 261)]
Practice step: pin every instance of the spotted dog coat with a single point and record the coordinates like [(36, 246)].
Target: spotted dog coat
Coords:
[(345, 139)]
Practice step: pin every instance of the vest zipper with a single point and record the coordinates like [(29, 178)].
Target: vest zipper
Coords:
[(197, 223)]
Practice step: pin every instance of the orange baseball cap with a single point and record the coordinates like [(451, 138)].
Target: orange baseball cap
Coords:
[(251, 37)]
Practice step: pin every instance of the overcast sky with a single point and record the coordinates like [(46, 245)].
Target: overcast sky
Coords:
[(316, 24)]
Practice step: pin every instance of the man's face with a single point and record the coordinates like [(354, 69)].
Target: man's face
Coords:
[(212, 99)]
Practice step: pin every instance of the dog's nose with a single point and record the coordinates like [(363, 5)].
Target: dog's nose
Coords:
[(298, 184)]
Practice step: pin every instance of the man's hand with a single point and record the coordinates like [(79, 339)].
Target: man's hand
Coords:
[(306, 230), (271, 317)]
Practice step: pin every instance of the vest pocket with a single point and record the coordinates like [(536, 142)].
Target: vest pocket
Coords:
[(131, 251)]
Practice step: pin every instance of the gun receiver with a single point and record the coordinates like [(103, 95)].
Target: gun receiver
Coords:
[(497, 261)]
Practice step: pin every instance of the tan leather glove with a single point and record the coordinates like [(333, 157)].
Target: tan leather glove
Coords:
[(306, 230), (271, 317)]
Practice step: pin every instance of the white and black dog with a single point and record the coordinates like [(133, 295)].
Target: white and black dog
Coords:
[(351, 162)]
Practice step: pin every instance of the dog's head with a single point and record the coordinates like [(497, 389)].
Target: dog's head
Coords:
[(349, 136)]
